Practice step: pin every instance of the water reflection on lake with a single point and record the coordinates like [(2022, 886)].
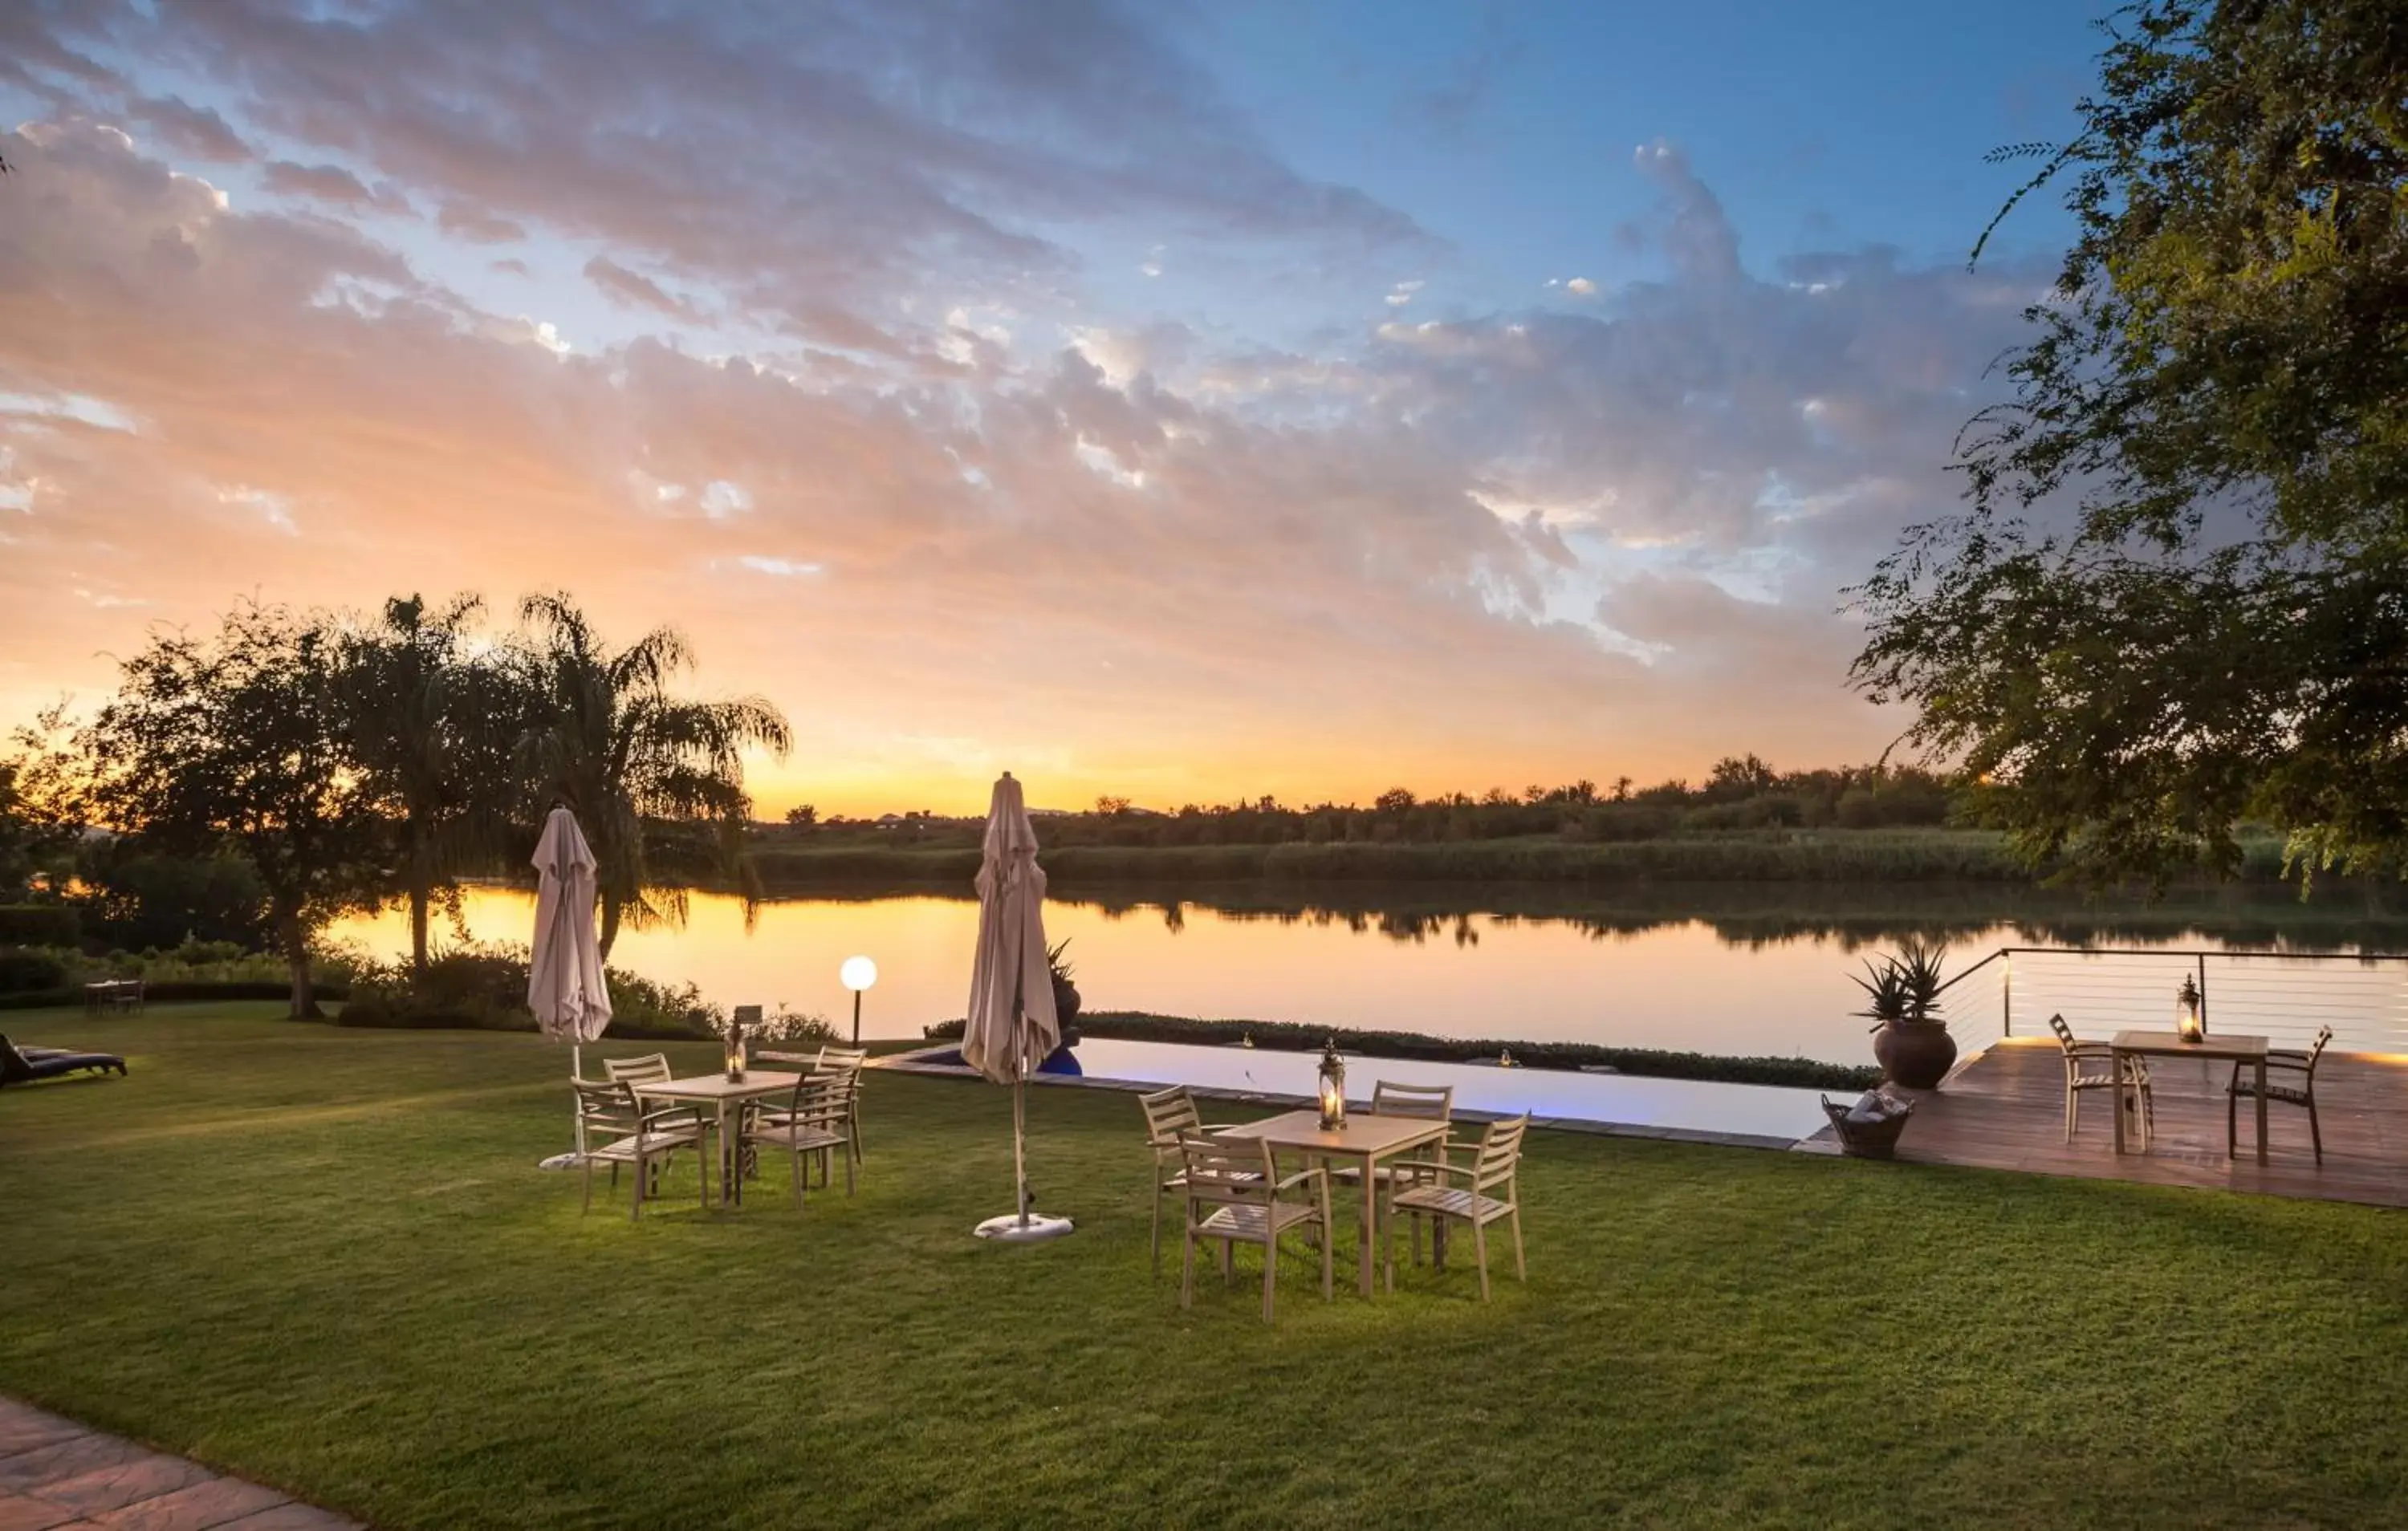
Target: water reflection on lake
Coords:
[(1728, 968)]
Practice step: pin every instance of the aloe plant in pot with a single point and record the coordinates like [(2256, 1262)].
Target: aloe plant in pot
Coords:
[(1910, 1037)]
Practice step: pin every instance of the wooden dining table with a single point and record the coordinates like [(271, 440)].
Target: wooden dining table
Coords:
[(2168, 1044), (718, 1092), (1365, 1139)]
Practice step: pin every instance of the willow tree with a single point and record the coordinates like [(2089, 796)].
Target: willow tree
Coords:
[(434, 717), (2178, 597), (611, 740)]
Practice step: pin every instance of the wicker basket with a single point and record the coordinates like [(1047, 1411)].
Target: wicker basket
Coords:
[(1868, 1139)]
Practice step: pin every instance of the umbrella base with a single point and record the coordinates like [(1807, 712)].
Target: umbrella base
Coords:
[(563, 1160), (1009, 1229)]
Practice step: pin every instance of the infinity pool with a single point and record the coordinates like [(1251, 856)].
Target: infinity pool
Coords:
[(1668, 1107)]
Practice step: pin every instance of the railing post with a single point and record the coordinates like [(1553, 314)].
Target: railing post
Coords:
[(2007, 993), (2202, 992)]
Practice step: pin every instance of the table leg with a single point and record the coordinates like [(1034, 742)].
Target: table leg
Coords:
[(731, 1187), (2262, 1108), (1370, 1214), (2115, 1070)]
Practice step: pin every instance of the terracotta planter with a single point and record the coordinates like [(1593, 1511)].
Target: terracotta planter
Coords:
[(1916, 1056)]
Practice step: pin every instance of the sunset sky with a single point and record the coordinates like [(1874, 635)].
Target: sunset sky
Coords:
[(1181, 400)]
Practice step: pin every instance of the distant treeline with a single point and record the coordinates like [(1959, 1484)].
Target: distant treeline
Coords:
[(1823, 855), (1740, 794)]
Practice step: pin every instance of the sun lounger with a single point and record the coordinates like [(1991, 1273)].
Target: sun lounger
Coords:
[(22, 1065)]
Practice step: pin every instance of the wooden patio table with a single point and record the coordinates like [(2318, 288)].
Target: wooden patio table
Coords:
[(718, 1091), (2168, 1044), (1366, 1139)]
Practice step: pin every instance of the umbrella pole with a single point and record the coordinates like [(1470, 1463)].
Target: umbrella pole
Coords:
[(1019, 1148)]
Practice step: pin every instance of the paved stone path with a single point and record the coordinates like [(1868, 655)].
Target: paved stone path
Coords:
[(53, 1473)]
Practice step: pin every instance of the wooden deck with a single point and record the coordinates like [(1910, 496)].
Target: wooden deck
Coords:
[(2004, 1108)]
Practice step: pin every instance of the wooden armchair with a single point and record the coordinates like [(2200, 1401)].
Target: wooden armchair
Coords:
[(2290, 1078), (1463, 1193), (1234, 1195), (1169, 1114), (615, 1118), (828, 1058), (1422, 1102), (2091, 1065), (816, 1121)]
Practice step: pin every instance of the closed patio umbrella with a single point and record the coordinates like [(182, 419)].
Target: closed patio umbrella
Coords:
[(1011, 1026), (565, 986)]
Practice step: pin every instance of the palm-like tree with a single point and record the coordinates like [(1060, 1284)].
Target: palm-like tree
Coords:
[(609, 740), (432, 722)]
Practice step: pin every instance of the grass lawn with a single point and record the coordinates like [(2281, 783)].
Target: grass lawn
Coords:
[(324, 1259)]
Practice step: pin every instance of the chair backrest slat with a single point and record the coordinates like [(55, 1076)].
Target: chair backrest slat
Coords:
[(607, 1103), (1169, 1113), (2064, 1033), (1500, 1151), (1427, 1102), (2323, 1036), (1228, 1169), (651, 1069), (833, 1057)]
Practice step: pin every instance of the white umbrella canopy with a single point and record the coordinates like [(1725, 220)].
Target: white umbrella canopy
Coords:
[(1011, 1026), (564, 984)]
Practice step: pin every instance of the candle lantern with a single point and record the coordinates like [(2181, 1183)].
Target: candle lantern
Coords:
[(736, 1051), (1333, 1088), (2190, 1013)]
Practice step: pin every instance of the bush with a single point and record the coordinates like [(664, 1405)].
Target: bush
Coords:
[(21, 969), (39, 925), (483, 988), (140, 899)]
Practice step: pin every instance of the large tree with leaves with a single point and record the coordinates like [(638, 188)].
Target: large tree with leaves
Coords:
[(434, 716), (240, 742), (2178, 598), (613, 742)]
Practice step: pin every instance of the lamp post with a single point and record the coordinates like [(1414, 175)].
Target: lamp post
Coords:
[(858, 973)]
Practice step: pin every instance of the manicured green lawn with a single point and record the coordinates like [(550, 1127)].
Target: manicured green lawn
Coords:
[(324, 1259)]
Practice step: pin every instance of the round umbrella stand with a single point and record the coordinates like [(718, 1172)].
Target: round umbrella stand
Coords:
[(1013, 1229), (562, 1161)]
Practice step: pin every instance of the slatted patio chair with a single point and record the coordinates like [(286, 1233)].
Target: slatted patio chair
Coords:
[(1422, 1102), (1464, 1192), (2299, 1088), (837, 1108), (612, 1116), (813, 1122), (2091, 1065), (828, 1057), (1168, 1113), (1234, 1195)]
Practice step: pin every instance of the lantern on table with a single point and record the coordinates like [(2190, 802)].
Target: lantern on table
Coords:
[(2190, 1013), (1333, 1088), (736, 1051)]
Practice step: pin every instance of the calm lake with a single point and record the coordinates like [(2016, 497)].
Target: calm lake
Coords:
[(1727, 969)]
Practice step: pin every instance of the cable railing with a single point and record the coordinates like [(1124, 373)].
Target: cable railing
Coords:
[(2282, 995)]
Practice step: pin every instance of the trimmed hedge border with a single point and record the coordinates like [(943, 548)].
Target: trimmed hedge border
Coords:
[(39, 925), (1294, 1037), (173, 991)]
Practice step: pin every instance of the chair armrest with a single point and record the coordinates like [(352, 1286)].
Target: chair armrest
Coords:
[(1318, 1172), (1435, 1167)]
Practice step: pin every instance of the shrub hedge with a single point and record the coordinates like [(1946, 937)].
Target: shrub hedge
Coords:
[(39, 925)]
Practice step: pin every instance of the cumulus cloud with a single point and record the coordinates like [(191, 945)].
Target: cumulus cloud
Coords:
[(329, 183), (901, 471), (473, 224), (634, 290), (196, 133)]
